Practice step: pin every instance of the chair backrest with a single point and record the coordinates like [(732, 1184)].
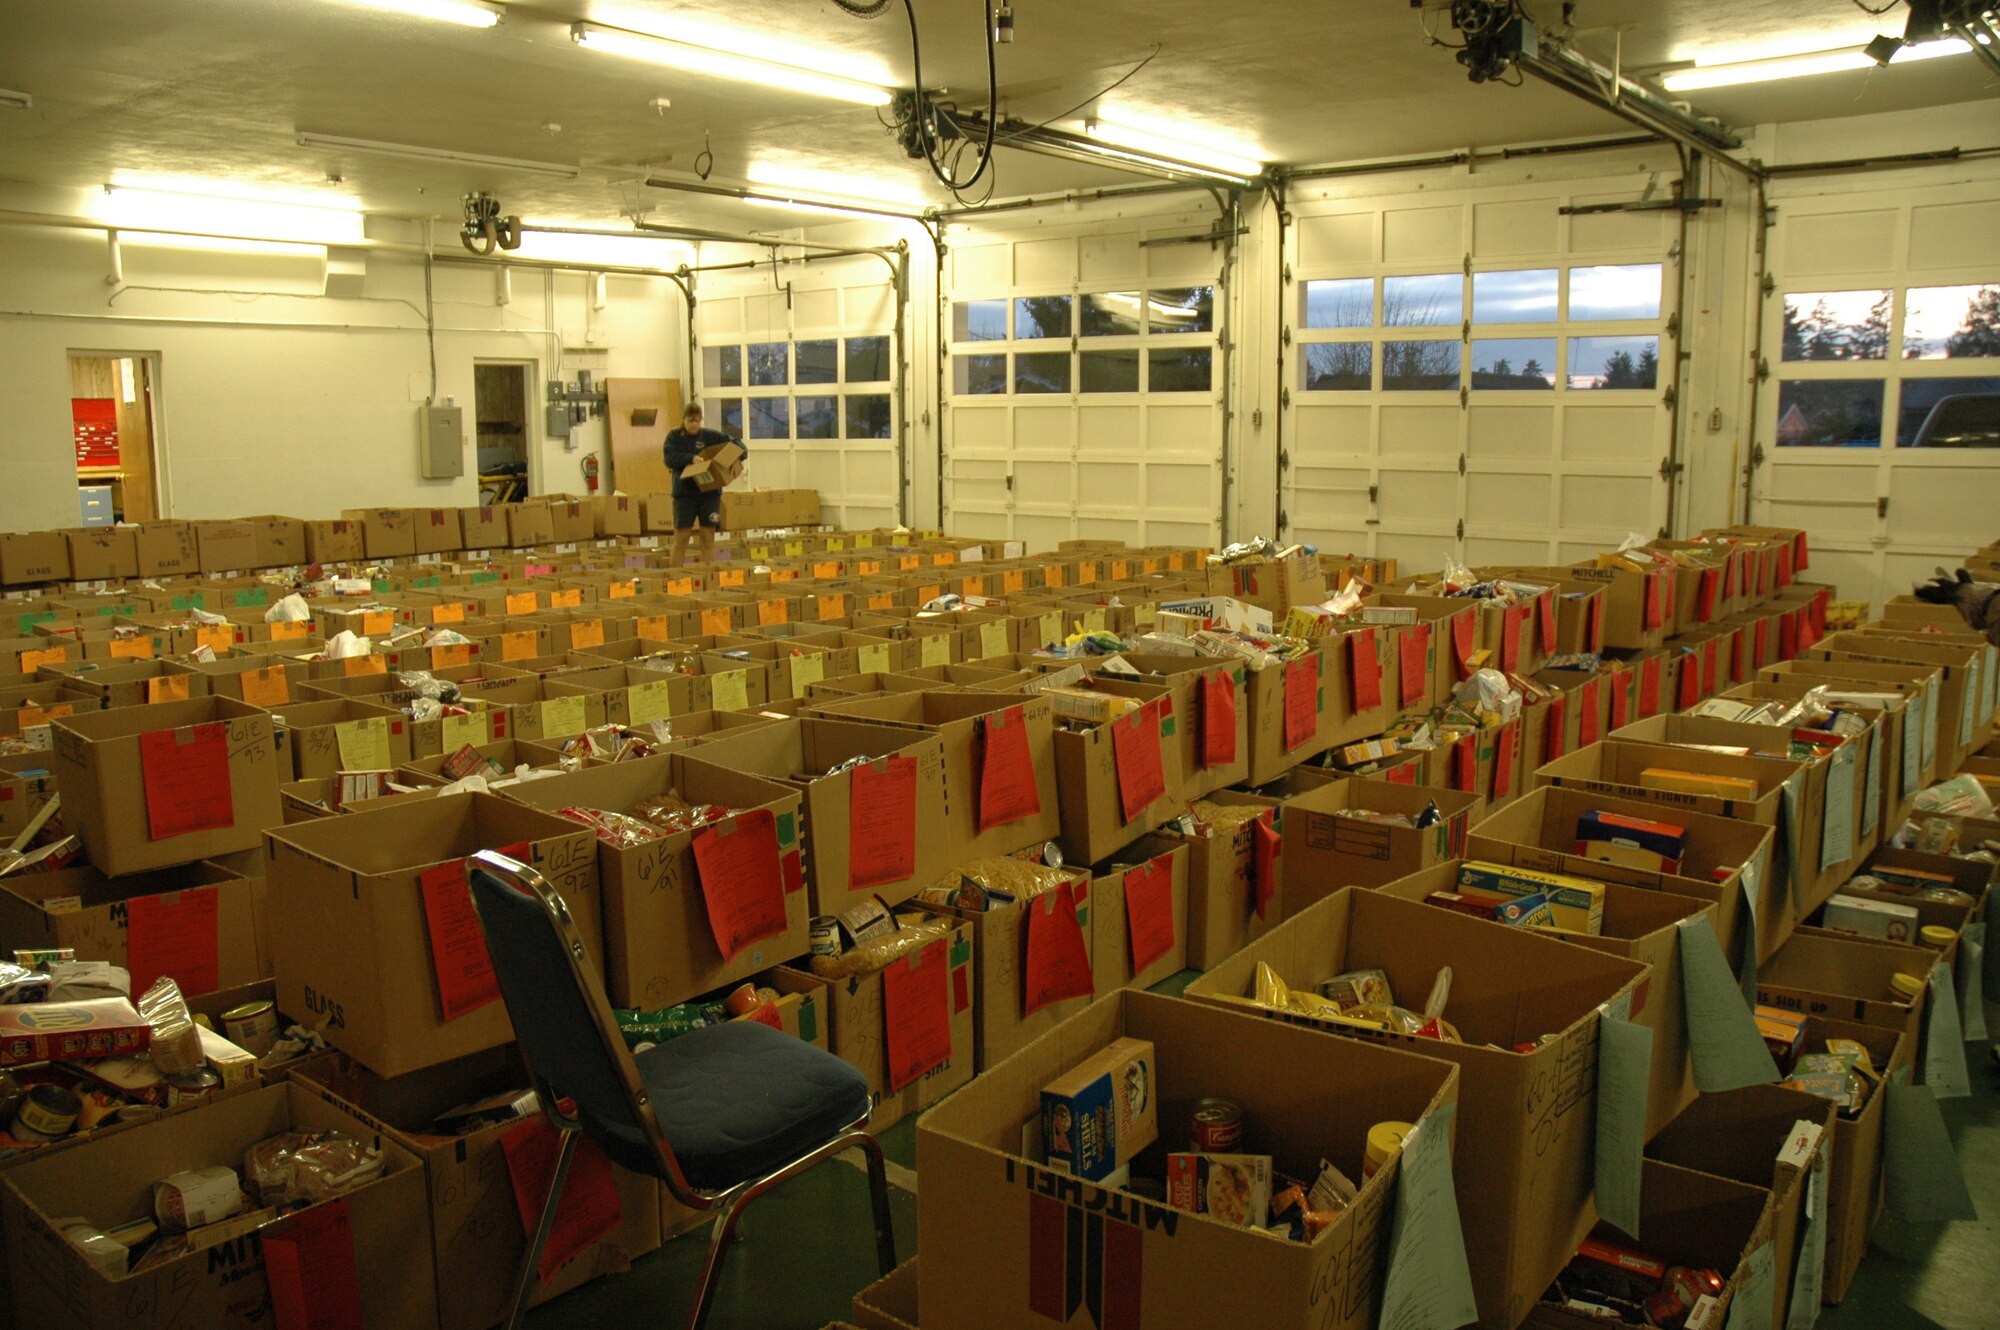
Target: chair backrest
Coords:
[(561, 1016)]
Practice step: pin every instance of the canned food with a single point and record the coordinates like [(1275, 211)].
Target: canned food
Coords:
[(191, 1087), (1218, 1126), (47, 1113), (825, 935), (196, 1197), (131, 1113), (253, 1027), (1385, 1142)]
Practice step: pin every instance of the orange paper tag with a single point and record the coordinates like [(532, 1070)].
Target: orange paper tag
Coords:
[(30, 716), (716, 622), (680, 586), (34, 660), (359, 665), (731, 577), (292, 631), (882, 600), (833, 607), (772, 611), (450, 657), (377, 623), (453, 613), (267, 687), (167, 688), (521, 602), (653, 627), (623, 590), (217, 637), (569, 598), (1053, 575), (519, 646), (827, 568), (132, 648), (975, 586), (586, 634), (1014, 580)]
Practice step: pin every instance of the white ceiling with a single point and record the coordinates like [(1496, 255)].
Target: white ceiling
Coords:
[(222, 88)]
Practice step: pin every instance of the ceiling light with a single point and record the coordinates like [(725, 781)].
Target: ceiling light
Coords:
[(1168, 140), (689, 58), (836, 188), (16, 101), (566, 243), (247, 191), (465, 13), (131, 209), (1799, 66), (381, 149)]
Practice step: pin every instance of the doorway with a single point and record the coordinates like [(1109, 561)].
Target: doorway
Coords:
[(503, 410), (112, 415)]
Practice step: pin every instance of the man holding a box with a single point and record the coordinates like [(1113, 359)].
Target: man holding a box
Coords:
[(698, 497)]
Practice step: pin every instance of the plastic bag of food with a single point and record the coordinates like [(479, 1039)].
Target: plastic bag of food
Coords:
[(176, 1044), (614, 829), (1272, 992), (1961, 796), (875, 955), (294, 1167)]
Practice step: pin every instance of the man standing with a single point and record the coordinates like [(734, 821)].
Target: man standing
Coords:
[(697, 512)]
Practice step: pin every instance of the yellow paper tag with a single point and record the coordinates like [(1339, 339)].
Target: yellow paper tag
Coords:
[(730, 690), (875, 659), (836, 543), (648, 702), (1086, 572), (586, 634), (795, 549), (562, 716), (364, 744), (866, 540), (1093, 621), (519, 646), (806, 669), (1051, 628), (1145, 614), (31, 716), (993, 638), (943, 560), (470, 728), (758, 552), (868, 567), (1120, 570), (908, 563), (167, 688), (934, 649)]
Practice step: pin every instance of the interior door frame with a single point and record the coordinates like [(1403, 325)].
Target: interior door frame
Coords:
[(163, 495), (531, 423)]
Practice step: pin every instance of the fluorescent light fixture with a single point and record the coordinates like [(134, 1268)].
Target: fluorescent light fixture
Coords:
[(245, 190), (141, 210), (465, 13), (689, 58), (1161, 139), (1799, 66), (15, 101), (421, 154), (276, 249), (612, 251), (836, 187), (799, 205)]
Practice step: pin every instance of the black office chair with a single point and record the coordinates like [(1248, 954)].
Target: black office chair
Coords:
[(720, 1116)]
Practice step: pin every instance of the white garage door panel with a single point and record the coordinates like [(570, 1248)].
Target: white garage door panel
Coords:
[(719, 317), (1343, 240), (1610, 433), (1182, 263), (1182, 429), (1416, 554), (1324, 498), (1107, 528), (1107, 485), (1040, 532), (1955, 233), (1484, 550), (1423, 498), (1166, 532), (1116, 258), (1044, 429), (1503, 229), (980, 429), (1420, 431), (1423, 235), (1335, 431), (1525, 433), (1041, 477), (817, 471), (1840, 242), (1927, 507), (871, 306), (981, 268), (1602, 497), (815, 311), (1102, 429), (1618, 232), (1178, 486), (1507, 500), (1049, 263)]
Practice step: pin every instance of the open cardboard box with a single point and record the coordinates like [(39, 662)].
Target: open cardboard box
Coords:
[(715, 466), (1920, 683), (1130, 891), (1009, 1241), (1847, 978), (109, 1180), (1001, 1020), (350, 941), (1854, 1187), (1889, 798), (1326, 850), (1222, 908), (1187, 679), (890, 1303), (659, 946), (348, 734), (1090, 778), (1957, 697), (1527, 1154)]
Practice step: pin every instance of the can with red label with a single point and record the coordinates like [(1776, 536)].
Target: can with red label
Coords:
[(1218, 1125)]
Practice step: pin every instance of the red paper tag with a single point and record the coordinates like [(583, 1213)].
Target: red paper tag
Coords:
[(1736, 670), (1504, 745), (311, 1272), (173, 933), (1553, 743), (1785, 565), (1656, 598), (1818, 608), (1788, 635), (1007, 791), (1649, 687), (1218, 719), (916, 1013), (1058, 961), (742, 882), (1512, 621), (1403, 773), (1267, 847), (1621, 697), (1587, 730), (589, 1208), (1690, 684), (1149, 911), (465, 977), (766, 1013), (1762, 656), (1415, 649), (1301, 701), (186, 775), (1135, 747), (882, 823), (1708, 667), (1367, 670), (1546, 608), (1465, 764), (1711, 587), (1799, 560), (1463, 626)]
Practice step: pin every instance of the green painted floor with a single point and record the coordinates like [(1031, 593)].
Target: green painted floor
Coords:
[(806, 1248)]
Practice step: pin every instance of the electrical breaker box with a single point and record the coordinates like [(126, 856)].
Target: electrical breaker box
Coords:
[(441, 441)]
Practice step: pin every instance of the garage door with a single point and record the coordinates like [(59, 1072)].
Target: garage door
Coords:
[(802, 367), (1881, 332), (1474, 373), (1085, 387)]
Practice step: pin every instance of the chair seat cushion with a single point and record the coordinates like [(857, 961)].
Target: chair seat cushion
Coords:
[(736, 1101)]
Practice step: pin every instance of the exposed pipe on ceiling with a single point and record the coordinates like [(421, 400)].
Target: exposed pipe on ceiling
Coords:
[(1465, 157)]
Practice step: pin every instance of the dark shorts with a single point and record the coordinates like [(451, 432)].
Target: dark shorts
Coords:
[(693, 508)]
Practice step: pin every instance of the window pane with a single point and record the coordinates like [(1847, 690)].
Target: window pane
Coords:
[(867, 360), (1628, 292), (1111, 314), (1514, 362), (1949, 413), (973, 375), (1830, 413), (819, 417), (1614, 362), (732, 417), (1348, 302), (770, 364), (868, 416), (1181, 369), (1041, 316), (1422, 302), (1042, 372), (770, 417), (979, 321), (819, 362), (1408, 366), (1108, 371), (1183, 309), (1836, 325), (1337, 366), (722, 366), (1946, 322), (1514, 297)]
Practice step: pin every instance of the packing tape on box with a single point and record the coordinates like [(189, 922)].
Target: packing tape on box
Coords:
[(1723, 1042), (1624, 1064)]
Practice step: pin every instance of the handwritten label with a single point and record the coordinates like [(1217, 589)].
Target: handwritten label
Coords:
[(589, 1209), (174, 933), (1218, 719), (1058, 960), (993, 638), (772, 611), (1301, 701), (521, 602), (569, 598), (586, 634), (1007, 789), (716, 622), (464, 972), (1149, 912), (563, 716), (916, 1014), (167, 688), (742, 881), (1367, 670), (364, 744), (730, 690), (934, 649), (186, 777), (267, 687), (311, 1271), (131, 648), (1135, 743), (882, 823), (523, 645), (1414, 650), (874, 659)]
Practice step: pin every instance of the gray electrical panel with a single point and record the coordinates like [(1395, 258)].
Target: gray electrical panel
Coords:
[(441, 441), (557, 424)]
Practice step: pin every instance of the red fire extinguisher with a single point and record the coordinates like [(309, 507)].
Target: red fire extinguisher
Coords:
[(590, 472)]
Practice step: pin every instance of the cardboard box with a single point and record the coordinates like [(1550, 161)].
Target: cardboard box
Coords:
[(226, 546), (281, 541), (349, 938), (1002, 1022), (890, 1303), (335, 542), (151, 787), (1280, 740), (529, 524), (1091, 795), (659, 945), (36, 556), (167, 549), (571, 521), (109, 1180), (477, 1231), (386, 533), (1854, 1189), (1190, 681), (1272, 584), (1223, 901), (483, 528), (1847, 978), (437, 530), (1526, 1157), (1326, 850), (103, 554), (838, 822), (994, 1219), (715, 466), (616, 515), (1129, 901), (327, 738)]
